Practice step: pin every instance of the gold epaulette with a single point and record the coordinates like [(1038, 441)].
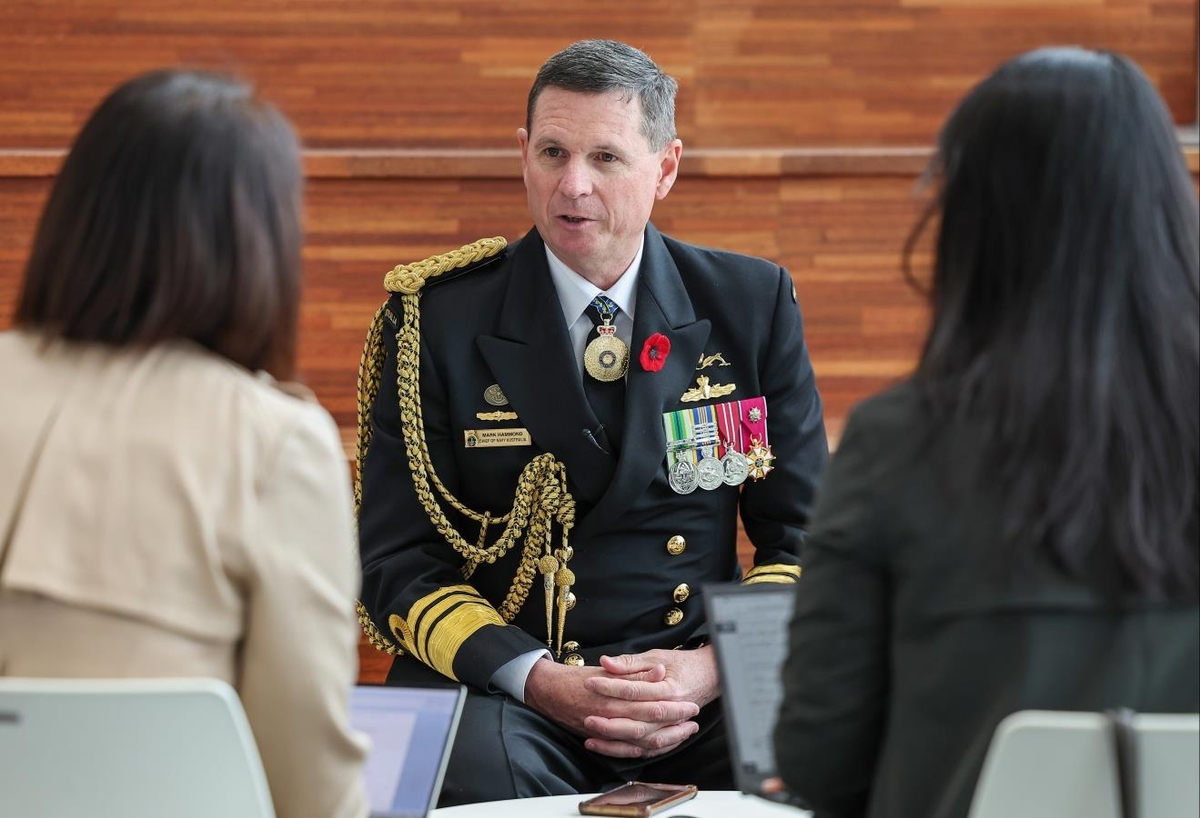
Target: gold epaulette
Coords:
[(410, 278)]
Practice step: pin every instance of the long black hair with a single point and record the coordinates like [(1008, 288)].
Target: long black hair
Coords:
[(175, 215), (1066, 316)]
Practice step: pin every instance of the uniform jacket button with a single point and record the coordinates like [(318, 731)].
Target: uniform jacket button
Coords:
[(676, 545)]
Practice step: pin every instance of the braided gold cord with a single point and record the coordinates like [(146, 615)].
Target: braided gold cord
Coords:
[(541, 497), (374, 636), (370, 367)]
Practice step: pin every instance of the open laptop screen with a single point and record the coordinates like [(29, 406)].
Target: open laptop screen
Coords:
[(411, 731), (748, 625)]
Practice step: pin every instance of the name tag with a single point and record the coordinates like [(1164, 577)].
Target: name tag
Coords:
[(490, 438)]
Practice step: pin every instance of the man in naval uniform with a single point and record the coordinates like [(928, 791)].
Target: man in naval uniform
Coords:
[(556, 439)]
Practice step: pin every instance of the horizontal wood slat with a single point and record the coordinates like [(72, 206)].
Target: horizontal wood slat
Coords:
[(483, 163), (466, 163)]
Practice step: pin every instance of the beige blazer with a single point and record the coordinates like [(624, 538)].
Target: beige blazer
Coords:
[(163, 512)]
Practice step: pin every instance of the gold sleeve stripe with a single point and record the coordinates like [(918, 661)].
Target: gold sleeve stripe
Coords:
[(422, 605), (443, 620), (436, 615), (772, 572), (454, 629), (780, 578), (429, 608)]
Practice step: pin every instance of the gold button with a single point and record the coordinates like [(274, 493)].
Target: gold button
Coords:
[(682, 592), (676, 545), (574, 660), (673, 617), (570, 600), (571, 647)]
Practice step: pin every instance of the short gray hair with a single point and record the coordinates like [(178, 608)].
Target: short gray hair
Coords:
[(599, 66)]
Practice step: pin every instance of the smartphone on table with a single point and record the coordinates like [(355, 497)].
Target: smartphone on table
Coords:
[(637, 799)]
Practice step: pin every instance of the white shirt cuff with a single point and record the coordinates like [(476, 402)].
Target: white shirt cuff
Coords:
[(510, 677)]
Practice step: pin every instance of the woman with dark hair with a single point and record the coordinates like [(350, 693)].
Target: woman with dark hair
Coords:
[(167, 507), (1016, 525)]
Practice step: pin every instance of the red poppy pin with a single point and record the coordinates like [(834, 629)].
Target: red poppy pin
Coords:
[(655, 352)]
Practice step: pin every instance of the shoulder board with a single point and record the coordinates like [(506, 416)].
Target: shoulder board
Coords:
[(410, 278)]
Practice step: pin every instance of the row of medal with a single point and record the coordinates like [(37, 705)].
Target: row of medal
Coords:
[(717, 445), (709, 472)]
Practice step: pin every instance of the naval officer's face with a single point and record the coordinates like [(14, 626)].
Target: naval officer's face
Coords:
[(592, 178)]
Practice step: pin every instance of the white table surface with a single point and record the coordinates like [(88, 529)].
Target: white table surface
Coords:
[(711, 804)]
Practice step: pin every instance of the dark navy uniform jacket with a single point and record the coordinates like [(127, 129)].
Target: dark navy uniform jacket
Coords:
[(500, 322)]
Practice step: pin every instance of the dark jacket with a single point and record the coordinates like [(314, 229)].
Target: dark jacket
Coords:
[(501, 323), (915, 634)]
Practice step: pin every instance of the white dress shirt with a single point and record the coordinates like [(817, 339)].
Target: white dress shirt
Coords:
[(575, 293)]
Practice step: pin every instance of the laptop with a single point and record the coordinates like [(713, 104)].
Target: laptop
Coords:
[(411, 730), (748, 626)]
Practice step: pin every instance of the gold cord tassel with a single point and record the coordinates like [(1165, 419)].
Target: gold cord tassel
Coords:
[(548, 565), (564, 578)]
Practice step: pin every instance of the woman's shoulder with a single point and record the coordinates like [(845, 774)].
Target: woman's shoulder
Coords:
[(255, 401), (176, 388), (898, 408), (891, 437), (202, 370)]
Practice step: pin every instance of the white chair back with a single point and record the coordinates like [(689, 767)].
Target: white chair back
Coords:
[(128, 748), (1055, 764)]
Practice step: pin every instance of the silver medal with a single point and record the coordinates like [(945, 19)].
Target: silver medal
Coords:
[(736, 468), (710, 473), (683, 476)]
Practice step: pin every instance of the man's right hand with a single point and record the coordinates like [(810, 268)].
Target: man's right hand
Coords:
[(626, 729)]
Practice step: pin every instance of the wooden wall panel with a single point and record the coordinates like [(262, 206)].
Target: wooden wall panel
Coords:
[(455, 72)]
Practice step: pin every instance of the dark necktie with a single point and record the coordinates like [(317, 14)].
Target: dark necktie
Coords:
[(606, 398)]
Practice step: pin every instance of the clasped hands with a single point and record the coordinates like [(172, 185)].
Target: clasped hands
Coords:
[(631, 706)]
